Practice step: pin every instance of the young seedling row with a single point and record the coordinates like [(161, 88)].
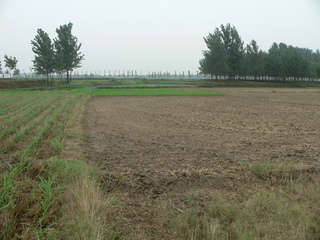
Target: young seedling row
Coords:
[(31, 130), (9, 124), (24, 131), (11, 101)]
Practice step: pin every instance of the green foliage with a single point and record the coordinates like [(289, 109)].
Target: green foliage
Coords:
[(57, 144), (225, 53), (11, 64), (7, 188), (60, 56), (30, 194), (67, 55), (47, 191), (227, 56), (44, 59), (234, 48), (254, 61), (287, 61), (215, 59)]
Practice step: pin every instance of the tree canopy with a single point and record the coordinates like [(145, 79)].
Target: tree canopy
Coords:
[(61, 55), (44, 61), (227, 56), (67, 52), (11, 64)]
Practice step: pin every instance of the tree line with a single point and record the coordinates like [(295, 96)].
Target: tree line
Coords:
[(228, 56), (59, 56)]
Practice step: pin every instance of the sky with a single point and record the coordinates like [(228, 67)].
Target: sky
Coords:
[(153, 35)]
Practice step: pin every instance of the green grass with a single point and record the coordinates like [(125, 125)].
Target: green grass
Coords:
[(148, 92)]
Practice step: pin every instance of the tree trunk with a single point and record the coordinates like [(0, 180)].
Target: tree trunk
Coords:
[(67, 76), (47, 79)]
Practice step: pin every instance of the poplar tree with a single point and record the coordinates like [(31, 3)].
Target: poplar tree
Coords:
[(10, 63), (44, 61), (67, 55), (215, 58), (1, 73), (224, 44), (234, 47), (254, 60)]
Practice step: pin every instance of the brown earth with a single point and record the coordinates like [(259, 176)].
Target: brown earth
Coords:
[(160, 147)]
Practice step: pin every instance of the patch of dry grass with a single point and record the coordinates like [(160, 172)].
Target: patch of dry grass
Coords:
[(288, 207), (84, 205)]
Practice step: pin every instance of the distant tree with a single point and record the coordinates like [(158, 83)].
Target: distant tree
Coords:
[(10, 63), (273, 61), (44, 60), (215, 58), (67, 55), (225, 54), (285, 62), (298, 66), (315, 64), (234, 47), (254, 60), (1, 72), (16, 72)]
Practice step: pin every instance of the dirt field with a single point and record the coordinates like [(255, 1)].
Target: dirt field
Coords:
[(171, 146)]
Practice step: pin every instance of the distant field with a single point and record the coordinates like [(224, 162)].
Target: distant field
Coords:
[(150, 83), (149, 92)]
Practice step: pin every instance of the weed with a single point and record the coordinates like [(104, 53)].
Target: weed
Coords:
[(47, 190), (284, 171), (7, 188), (194, 225), (190, 199), (57, 144)]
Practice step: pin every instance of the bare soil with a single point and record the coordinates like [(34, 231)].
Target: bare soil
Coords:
[(161, 147)]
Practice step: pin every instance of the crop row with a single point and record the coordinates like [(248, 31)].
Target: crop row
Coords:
[(12, 125), (35, 103), (31, 131), (53, 114), (25, 130), (59, 117), (14, 101)]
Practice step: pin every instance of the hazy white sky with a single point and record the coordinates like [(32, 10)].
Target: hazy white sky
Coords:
[(154, 35)]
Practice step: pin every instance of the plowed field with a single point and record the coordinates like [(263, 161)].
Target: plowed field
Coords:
[(153, 147)]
